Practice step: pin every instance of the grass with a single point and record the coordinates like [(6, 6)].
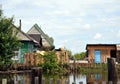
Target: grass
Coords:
[(94, 68)]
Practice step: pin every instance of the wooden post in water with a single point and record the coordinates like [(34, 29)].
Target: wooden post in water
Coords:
[(51, 80), (40, 74), (4, 81), (80, 82), (103, 82), (58, 81), (74, 72), (36, 72), (36, 80), (95, 82), (18, 82), (112, 76), (12, 81), (33, 76), (43, 80), (110, 82), (66, 81)]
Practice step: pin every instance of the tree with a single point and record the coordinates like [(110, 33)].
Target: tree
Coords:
[(50, 63), (8, 40), (80, 56)]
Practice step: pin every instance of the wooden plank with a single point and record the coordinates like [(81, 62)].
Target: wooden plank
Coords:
[(4, 81)]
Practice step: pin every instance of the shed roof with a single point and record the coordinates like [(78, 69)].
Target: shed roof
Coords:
[(100, 45)]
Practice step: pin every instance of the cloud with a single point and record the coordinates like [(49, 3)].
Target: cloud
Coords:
[(69, 20), (118, 33), (98, 36), (87, 26)]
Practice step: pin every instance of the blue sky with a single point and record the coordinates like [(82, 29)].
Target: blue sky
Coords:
[(72, 23)]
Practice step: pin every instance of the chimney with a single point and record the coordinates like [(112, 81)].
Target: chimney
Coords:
[(20, 24)]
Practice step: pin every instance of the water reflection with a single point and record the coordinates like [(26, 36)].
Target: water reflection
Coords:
[(16, 78), (79, 78), (26, 78)]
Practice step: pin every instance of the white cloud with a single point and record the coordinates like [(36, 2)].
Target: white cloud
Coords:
[(118, 33), (98, 36), (87, 26), (68, 19)]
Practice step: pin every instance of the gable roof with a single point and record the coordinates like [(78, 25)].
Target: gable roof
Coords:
[(35, 31), (23, 36)]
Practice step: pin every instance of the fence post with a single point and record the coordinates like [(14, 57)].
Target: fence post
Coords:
[(66, 81), (110, 82), (33, 76), (40, 75), (12, 81), (36, 71), (4, 81), (18, 82), (73, 83), (58, 81), (95, 82), (112, 75), (103, 82), (51, 80), (43, 80), (80, 82), (36, 80), (118, 82)]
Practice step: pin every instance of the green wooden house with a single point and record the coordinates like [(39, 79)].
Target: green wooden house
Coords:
[(34, 39), (28, 44)]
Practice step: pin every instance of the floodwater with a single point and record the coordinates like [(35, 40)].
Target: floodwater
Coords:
[(26, 78)]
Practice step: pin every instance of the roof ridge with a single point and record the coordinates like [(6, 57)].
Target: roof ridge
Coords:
[(31, 39), (45, 35)]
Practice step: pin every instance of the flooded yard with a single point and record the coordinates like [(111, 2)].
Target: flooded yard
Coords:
[(26, 78)]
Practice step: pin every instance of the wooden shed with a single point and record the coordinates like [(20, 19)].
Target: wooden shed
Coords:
[(98, 53)]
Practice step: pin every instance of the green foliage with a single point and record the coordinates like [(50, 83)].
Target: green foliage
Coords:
[(80, 56), (8, 40), (52, 40), (69, 52), (50, 63)]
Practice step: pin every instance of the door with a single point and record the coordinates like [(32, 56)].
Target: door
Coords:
[(97, 56)]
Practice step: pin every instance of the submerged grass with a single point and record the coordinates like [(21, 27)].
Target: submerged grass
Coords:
[(94, 68)]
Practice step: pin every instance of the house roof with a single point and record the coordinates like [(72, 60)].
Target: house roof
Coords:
[(100, 45), (23, 36), (36, 32)]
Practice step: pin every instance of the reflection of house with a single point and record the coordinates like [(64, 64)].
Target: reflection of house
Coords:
[(99, 53)]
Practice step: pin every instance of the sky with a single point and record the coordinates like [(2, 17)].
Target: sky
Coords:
[(72, 23)]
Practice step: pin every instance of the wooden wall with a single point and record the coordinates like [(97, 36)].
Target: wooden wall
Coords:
[(105, 51)]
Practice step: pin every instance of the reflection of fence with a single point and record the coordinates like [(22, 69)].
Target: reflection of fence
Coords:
[(51, 81)]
